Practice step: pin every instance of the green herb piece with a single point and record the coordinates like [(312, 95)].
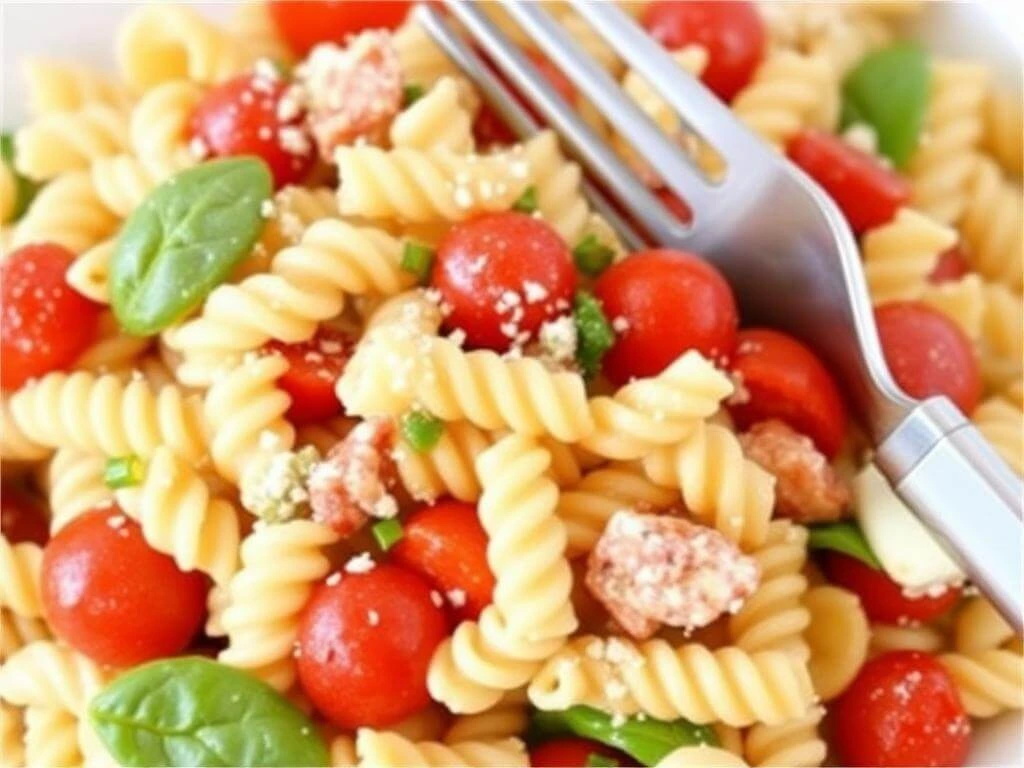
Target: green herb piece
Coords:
[(646, 739), (595, 760), (387, 533), (889, 90), (592, 257), (24, 188), (123, 472), (412, 93), (845, 537), (526, 202), (594, 333), (184, 240), (421, 430), (417, 259), (192, 711)]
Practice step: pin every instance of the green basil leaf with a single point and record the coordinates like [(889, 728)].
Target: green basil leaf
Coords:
[(185, 239), (648, 740), (845, 537), (192, 711), (594, 334), (24, 189), (889, 89)]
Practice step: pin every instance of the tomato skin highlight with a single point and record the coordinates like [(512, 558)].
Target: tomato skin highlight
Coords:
[(313, 368), (365, 643), (45, 323), (901, 709), (108, 594), (21, 517), (446, 543), (571, 751), (867, 192), (730, 31), (305, 23), (481, 260), (928, 354), (785, 380)]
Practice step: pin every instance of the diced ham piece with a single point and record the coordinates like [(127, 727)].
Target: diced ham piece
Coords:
[(351, 92), (807, 488), (650, 570), (352, 483)]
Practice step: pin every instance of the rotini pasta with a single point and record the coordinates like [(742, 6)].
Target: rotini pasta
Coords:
[(17, 631), (67, 211), (557, 182), (1002, 336), (114, 351), (436, 121), (15, 445), (890, 637), (700, 757), (961, 300), (67, 141), (898, 256), (122, 182), (448, 468), (75, 485), (794, 744), (989, 681), (159, 129), (55, 86), (253, 26), (838, 635), (51, 737), (506, 719), (423, 62), (993, 223), (1002, 424), (48, 675), (21, 571), (12, 737), (1004, 125), (89, 271), (979, 627), (381, 749)]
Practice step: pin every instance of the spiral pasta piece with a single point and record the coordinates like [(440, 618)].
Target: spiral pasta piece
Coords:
[(383, 749), (1004, 125), (839, 637), (68, 141), (993, 224), (1002, 424), (8, 193), (890, 637), (51, 737), (280, 565), (730, 685), (15, 445), (122, 182), (114, 350), (435, 121), (17, 631), (899, 256), (506, 719), (422, 60), (67, 211), (448, 468), (989, 682), (557, 182), (978, 626), (48, 675), (700, 756), (1002, 336), (252, 25), (103, 414), (20, 576), (961, 300), (88, 273), (12, 737), (54, 86), (295, 209), (160, 129), (941, 167), (794, 744), (75, 485)]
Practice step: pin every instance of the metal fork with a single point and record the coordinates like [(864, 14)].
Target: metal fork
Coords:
[(785, 248)]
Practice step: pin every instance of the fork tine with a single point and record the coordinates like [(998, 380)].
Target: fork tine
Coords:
[(512, 112)]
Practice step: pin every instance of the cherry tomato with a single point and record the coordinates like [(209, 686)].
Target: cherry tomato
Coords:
[(305, 23), (950, 266), (732, 33), (503, 275), (21, 518), (902, 709), (928, 354), (107, 593), (365, 643), (243, 116), (572, 751), (783, 379), (671, 301), (883, 598), (675, 204), (868, 193), (446, 543), (45, 323), (313, 368)]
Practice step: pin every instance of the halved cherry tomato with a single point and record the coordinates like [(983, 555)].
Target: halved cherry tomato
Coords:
[(365, 643), (243, 116), (928, 354), (783, 379), (21, 518), (951, 266), (446, 543), (313, 368), (110, 595), (732, 33), (503, 275), (45, 323), (868, 193), (669, 301), (883, 598), (571, 751), (305, 23), (902, 709)]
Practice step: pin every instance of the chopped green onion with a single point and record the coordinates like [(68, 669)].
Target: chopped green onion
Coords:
[(595, 760), (593, 332), (417, 259), (421, 430), (123, 471), (387, 533), (24, 189), (527, 202), (412, 93), (592, 257)]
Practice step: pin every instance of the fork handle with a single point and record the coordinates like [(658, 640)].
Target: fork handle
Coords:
[(953, 480)]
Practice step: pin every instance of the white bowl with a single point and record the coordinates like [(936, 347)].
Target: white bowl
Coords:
[(990, 30)]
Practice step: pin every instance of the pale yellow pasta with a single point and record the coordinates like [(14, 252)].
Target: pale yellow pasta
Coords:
[(666, 682), (324, 435), (890, 637), (427, 724), (1004, 126), (436, 121), (20, 577), (75, 485), (447, 468), (68, 141), (114, 350), (506, 719), (383, 749), (122, 182), (989, 681), (845, 42), (993, 223), (1002, 424), (160, 128), (253, 26), (898, 256), (700, 757), (88, 273), (423, 62), (56, 86), (295, 209), (15, 445), (51, 738), (557, 182), (12, 737), (342, 751), (1002, 336), (280, 565), (962, 301), (8, 193), (793, 744), (49, 675), (67, 211), (838, 636), (978, 626), (17, 631)]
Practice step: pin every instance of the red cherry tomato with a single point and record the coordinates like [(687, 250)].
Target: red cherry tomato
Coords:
[(675, 204), (732, 33), (785, 380), (571, 751), (671, 301), (883, 598), (21, 518), (109, 594), (951, 266), (503, 275), (305, 23), (45, 323), (928, 354), (868, 193), (365, 643), (902, 709), (242, 117), (446, 543), (313, 368)]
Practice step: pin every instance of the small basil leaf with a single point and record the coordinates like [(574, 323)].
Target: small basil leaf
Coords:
[(24, 189), (648, 740), (889, 89), (185, 239), (845, 537), (193, 711), (594, 334)]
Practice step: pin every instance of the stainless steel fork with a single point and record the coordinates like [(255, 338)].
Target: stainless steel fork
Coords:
[(785, 248)]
